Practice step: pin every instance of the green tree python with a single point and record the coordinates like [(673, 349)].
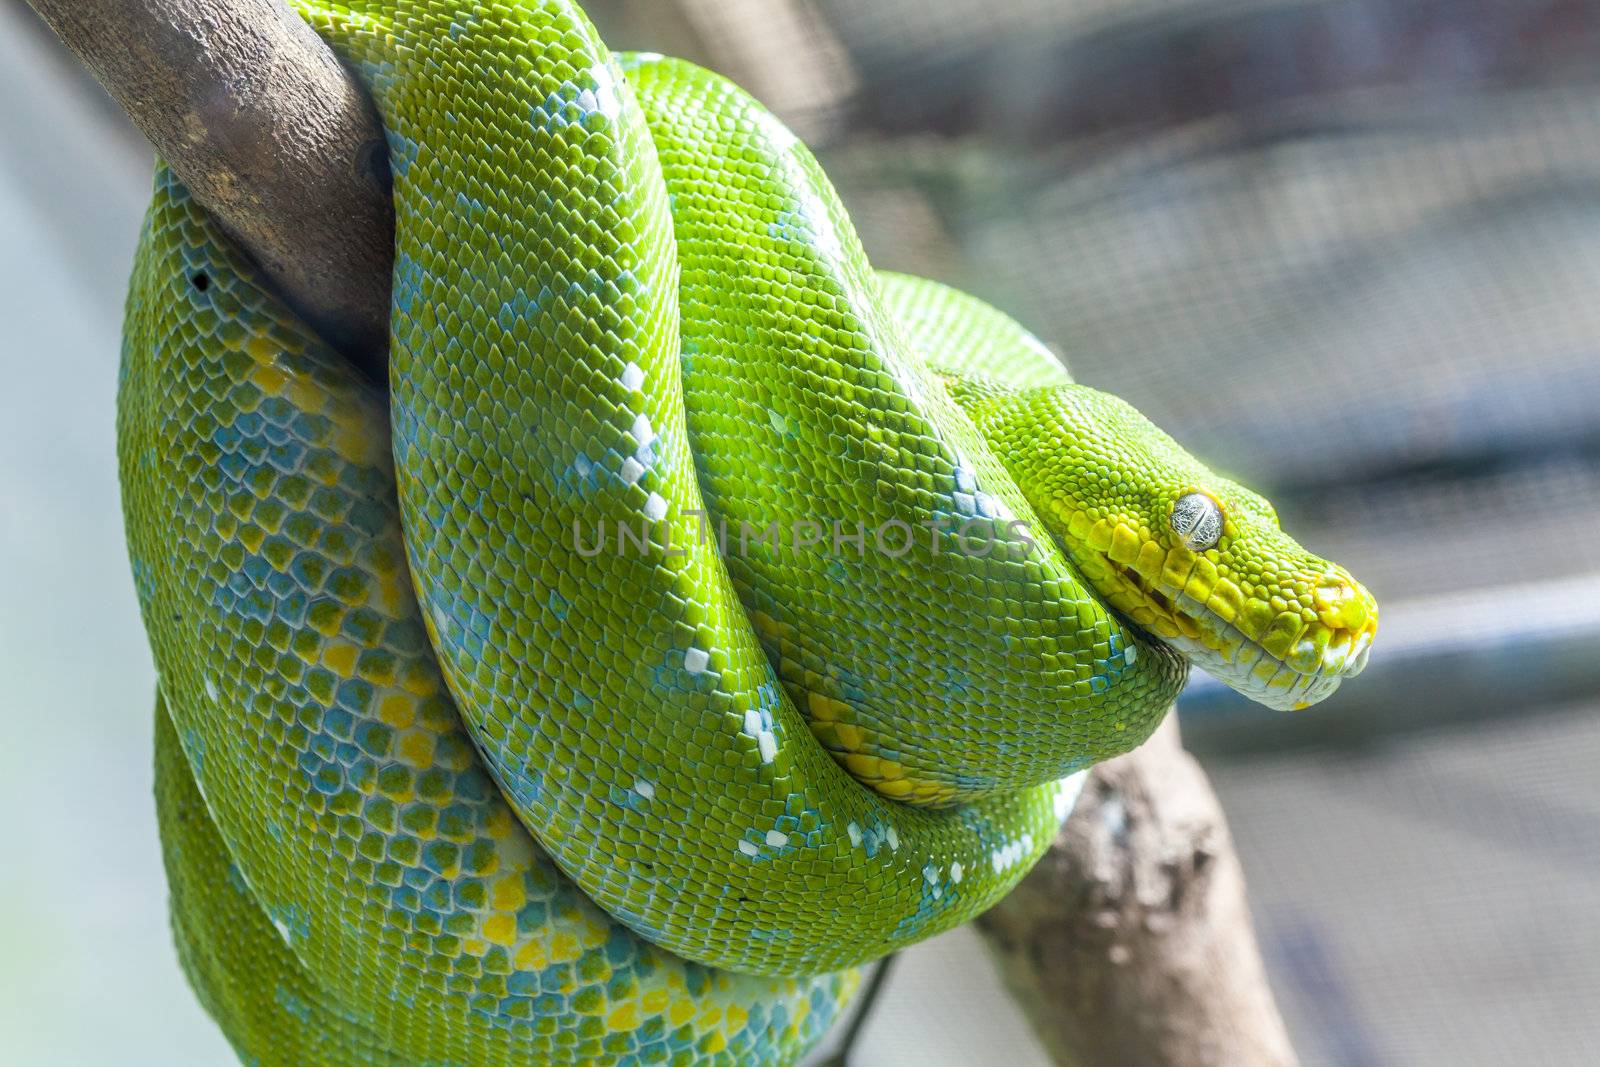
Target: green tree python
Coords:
[(695, 616)]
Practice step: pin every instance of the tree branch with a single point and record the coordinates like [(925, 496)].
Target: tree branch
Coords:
[(269, 132), (1130, 943)]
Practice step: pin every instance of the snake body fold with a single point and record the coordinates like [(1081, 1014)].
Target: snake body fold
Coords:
[(441, 781)]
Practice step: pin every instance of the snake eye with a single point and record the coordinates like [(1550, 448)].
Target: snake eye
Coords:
[(1197, 520)]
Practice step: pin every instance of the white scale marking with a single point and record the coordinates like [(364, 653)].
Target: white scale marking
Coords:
[(603, 98)]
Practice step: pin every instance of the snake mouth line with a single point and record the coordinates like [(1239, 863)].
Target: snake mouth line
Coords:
[(1310, 667), (1187, 626)]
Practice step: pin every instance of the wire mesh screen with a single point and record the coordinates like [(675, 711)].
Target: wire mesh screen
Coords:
[(1349, 252)]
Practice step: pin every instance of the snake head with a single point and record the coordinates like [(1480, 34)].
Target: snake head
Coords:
[(1194, 558)]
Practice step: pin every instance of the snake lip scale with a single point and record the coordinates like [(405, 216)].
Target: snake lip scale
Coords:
[(1320, 662), (436, 785)]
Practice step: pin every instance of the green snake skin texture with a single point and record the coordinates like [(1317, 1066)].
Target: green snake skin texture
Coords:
[(696, 616)]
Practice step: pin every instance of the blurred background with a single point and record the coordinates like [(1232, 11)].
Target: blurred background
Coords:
[(1347, 250)]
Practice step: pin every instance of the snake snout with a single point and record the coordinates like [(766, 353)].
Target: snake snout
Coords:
[(1342, 603), (1348, 613), (1288, 645), (1305, 654)]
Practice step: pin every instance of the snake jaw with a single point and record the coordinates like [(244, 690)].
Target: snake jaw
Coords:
[(1286, 655), (1283, 669)]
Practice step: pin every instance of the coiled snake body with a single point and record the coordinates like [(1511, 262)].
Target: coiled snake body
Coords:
[(697, 616)]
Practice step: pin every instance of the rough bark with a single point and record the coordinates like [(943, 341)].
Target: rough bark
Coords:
[(270, 134), (1130, 943)]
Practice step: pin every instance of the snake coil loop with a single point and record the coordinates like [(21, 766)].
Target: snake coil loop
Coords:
[(474, 746)]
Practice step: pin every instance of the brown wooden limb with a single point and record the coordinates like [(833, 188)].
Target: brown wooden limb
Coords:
[(1131, 941), (269, 132)]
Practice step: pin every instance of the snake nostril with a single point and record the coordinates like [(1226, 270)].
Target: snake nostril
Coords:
[(1342, 603)]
